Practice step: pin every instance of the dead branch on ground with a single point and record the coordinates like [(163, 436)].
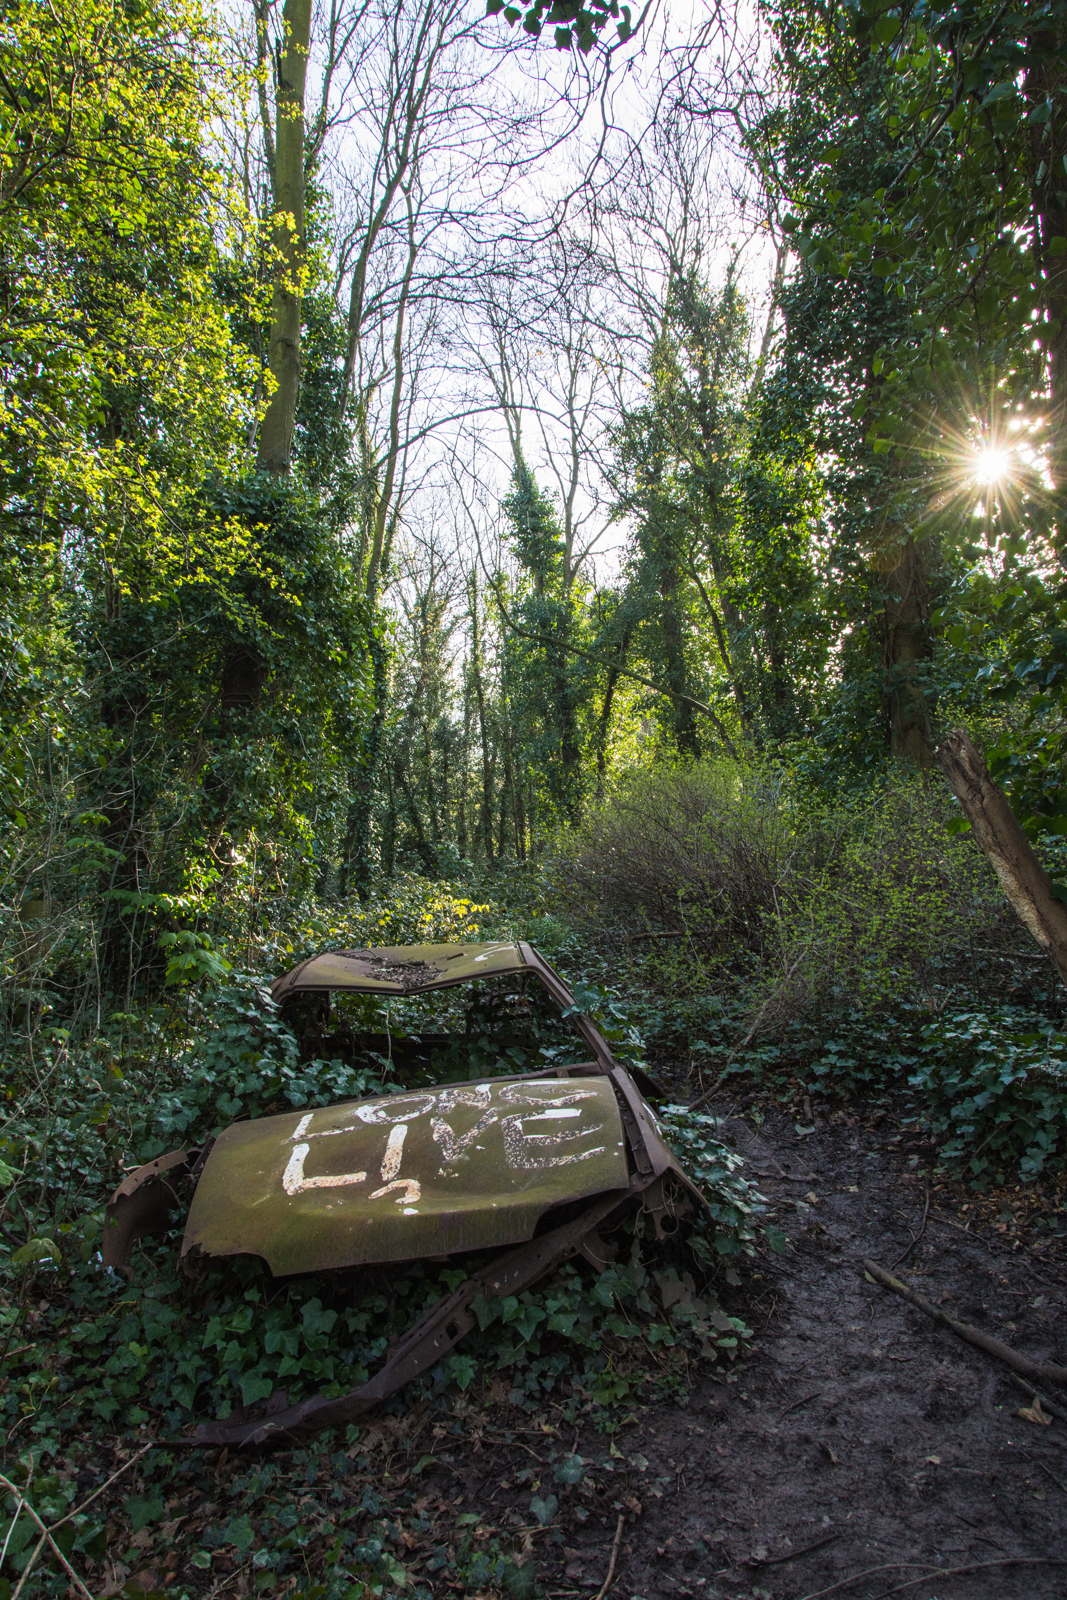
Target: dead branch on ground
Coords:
[(1040, 1371)]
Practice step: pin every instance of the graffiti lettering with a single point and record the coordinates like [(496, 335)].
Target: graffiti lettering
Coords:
[(294, 1182)]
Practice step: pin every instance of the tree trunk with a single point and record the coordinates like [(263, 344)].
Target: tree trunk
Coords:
[(1045, 82), (908, 646), (685, 727), (603, 727), (570, 748), (485, 827), (276, 429), (356, 864), (464, 760), (389, 831), (427, 853), (1022, 877)]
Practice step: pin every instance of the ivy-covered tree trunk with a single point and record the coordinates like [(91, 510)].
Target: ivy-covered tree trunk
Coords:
[(288, 239), (484, 830), (566, 718), (1046, 80), (908, 650), (357, 864), (673, 631)]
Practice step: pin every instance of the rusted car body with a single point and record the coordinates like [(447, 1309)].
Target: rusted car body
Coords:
[(531, 1166)]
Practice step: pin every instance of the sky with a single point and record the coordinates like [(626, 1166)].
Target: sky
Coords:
[(580, 179)]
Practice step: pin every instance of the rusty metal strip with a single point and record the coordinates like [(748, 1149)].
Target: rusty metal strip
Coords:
[(560, 992), (634, 1133), (433, 1336), (142, 1204)]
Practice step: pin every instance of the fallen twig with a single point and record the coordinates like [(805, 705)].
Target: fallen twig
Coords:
[(786, 1177), (20, 1499), (1040, 1370), (45, 1539), (610, 1579), (1046, 1405), (1052, 1475), (47, 1533), (798, 1403), (791, 1555), (976, 1566), (927, 1573), (915, 1237), (232, 1577)]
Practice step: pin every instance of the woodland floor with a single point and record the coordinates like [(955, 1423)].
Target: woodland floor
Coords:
[(857, 1437), (856, 1450)]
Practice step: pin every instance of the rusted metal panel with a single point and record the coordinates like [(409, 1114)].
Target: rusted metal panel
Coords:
[(400, 969), (419, 969), (437, 1172), (142, 1204), (463, 1167)]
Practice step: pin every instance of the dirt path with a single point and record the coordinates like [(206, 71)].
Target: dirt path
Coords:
[(858, 1435)]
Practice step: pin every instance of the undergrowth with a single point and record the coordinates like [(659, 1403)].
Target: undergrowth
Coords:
[(91, 1364)]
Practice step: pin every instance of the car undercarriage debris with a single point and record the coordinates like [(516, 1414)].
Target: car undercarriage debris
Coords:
[(531, 1166)]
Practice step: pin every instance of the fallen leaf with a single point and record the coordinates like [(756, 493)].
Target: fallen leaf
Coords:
[(1034, 1413), (830, 1455), (934, 1460), (812, 1198), (119, 1573)]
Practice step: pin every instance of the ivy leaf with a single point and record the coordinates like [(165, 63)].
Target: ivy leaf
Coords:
[(142, 1511), (254, 1386), (570, 1470), (37, 1250), (544, 1509), (240, 1533)]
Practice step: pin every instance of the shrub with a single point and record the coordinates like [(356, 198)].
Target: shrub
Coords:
[(808, 905), (994, 1093)]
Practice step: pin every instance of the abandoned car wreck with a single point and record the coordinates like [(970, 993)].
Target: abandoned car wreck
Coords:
[(531, 1166)]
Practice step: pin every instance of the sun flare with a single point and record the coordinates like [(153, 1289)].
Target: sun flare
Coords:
[(991, 465)]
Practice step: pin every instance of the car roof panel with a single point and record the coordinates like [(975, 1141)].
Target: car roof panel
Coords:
[(400, 969)]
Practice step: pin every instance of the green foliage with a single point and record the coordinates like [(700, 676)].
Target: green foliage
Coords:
[(800, 904), (993, 1090), (734, 1204), (579, 23)]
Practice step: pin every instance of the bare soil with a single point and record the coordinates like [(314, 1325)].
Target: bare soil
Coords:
[(859, 1449)]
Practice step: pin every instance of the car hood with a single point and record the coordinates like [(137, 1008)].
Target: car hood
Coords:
[(462, 1167)]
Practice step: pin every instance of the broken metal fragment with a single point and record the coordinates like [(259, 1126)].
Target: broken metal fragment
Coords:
[(425, 1174)]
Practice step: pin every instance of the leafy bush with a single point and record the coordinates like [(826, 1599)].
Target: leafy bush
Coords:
[(802, 905), (993, 1090), (989, 1083)]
